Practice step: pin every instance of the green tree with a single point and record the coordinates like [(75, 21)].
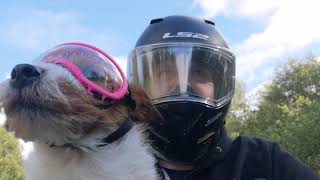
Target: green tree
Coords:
[(289, 112), (10, 157), (238, 110)]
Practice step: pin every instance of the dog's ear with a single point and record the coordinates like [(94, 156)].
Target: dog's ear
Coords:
[(144, 110)]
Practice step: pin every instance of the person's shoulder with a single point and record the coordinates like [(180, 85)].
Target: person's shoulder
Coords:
[(254, 143), (269, 155), (248, 158), (253, 140), (252, 150)]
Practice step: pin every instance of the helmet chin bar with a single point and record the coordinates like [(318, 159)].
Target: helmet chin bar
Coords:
[(188, 131)]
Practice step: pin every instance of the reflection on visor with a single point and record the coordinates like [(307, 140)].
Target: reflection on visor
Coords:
[(198, 71), (93, 68)]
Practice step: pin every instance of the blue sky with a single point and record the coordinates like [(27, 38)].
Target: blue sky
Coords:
[(261, 33)]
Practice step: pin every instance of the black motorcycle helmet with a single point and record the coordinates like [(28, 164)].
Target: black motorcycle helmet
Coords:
[(185, 66)]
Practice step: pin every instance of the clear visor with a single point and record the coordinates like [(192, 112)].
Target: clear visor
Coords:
[(90, 66), (184, 71)]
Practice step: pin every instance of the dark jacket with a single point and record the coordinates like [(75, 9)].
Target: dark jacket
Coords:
[(248, 159)]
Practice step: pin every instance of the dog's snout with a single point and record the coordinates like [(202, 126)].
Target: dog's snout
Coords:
[(22, 74)]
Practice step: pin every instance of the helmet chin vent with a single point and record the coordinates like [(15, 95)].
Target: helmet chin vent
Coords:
[(205, 137), (210, 121)]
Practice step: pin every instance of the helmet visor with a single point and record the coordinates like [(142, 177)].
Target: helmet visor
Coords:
[(184, 71), (94, 69)]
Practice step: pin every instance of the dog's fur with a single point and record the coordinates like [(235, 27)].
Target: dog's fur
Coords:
[(55, 110)]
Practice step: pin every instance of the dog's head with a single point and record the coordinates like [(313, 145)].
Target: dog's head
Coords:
[(44, 102)]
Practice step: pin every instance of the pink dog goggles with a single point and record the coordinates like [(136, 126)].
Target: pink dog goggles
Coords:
[(92, 67)]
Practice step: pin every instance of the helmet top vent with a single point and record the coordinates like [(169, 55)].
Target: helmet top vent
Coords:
[(153, 21), (209, 22)]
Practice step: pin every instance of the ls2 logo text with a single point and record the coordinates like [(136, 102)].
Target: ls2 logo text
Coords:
[(185, 35)]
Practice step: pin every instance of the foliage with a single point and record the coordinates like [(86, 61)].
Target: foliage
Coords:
[(289, 112), (10, 157)]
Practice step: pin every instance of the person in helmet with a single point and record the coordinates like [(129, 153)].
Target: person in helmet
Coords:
[(186, 67)]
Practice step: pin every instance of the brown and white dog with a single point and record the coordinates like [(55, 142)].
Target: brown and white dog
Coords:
[(69, 128)]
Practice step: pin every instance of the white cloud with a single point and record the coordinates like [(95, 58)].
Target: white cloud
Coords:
[(212, 8), (291, 28), (253, 8), (122, 62), (290, 25), (244, 8), (27, 148), (2, 119), (254, 96), (7, 76), (39, 30)]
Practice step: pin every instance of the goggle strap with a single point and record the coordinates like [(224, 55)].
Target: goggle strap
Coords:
[(130, 101), (121, 131)]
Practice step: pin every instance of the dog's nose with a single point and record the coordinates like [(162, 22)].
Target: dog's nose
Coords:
[(22, 74)]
